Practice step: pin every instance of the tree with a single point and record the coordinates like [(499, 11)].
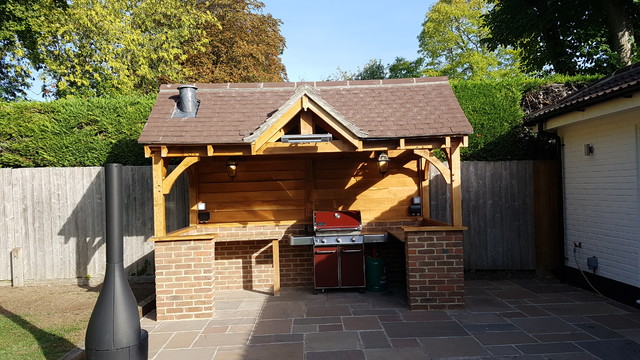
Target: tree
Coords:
[(565, 36), (372, 70), (98, 47), (120, 46), (451, 42), (403, 68), (21, 25), (245, 48)]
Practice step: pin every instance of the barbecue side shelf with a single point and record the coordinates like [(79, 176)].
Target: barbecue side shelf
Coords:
[(308, 240)]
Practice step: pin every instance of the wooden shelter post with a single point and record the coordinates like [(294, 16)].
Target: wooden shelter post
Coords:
[(456, 183), (159, 213)]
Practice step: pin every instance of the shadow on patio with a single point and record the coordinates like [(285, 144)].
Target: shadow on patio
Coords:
[(515, 319)]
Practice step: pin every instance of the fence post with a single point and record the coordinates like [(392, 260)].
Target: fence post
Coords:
[(17, 268)]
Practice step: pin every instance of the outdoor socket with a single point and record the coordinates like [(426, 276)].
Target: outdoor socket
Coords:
[(592, 263), (114, 331)]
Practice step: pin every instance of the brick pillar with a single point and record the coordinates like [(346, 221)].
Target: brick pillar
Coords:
[(435, 270), (184, 279)]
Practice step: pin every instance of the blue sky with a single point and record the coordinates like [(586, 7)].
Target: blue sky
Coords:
[(324, 35)]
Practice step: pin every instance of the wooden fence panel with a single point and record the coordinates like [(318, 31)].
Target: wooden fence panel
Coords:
[(497, 205), (56, 216)]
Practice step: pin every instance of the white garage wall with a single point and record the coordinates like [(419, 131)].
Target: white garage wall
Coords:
[(601, 204)]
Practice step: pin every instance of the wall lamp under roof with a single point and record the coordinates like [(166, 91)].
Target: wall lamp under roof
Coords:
[(232, 168), (383, 163)]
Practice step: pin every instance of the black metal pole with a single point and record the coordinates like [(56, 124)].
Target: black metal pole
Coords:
[(114, 331), (114, 212)]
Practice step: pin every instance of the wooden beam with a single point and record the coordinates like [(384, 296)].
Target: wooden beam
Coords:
[(277, 125), (168, 182), (147, 151), (275, 249), (209, 150), (456, 185), (445, 171), (159, 211), (164, 151), (311, 148), (192, 172), (306, 123)]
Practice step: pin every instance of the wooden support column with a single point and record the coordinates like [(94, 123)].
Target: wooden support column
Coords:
[(456, 184), (192, 172), (275, 248), (306, 123), (159, 171), (423, 170)]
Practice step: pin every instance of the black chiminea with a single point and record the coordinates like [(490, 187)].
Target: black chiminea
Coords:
[(114, 331)]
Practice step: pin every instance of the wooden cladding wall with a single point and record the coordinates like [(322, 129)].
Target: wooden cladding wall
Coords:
[(354, 182), (276, 190), (263, 190)]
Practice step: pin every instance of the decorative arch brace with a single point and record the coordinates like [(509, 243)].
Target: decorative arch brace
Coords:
[(451, 175), (162, 184)]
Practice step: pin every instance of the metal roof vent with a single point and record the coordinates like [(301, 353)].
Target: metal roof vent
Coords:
[(188, 104)]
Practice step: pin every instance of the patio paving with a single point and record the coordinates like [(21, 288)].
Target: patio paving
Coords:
[(504, 319)]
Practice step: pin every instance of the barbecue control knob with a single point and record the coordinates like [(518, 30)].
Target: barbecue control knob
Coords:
[(353, 239), (338, 240), (323, 240)]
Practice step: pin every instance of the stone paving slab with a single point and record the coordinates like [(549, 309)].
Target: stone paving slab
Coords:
[(424, 329), (612, 349), (465, 346), (503, 319), (374, 340), (330, 341)]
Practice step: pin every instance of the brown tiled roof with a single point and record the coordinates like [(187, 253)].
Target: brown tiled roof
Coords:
[(621, 83), (379, 108)]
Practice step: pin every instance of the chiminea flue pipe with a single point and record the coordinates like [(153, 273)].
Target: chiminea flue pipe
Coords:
[(114, 331)]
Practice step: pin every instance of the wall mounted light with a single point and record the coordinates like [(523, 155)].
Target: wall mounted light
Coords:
[(588, 149), (232, 168), (383, 163), (203, 215)]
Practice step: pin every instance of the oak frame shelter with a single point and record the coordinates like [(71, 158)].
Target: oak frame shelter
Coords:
[(261, 157)]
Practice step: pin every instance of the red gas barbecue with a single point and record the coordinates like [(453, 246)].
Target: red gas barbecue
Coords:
[(338, 250)]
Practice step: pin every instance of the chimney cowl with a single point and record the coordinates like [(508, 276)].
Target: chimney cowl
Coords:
[(187, 104)]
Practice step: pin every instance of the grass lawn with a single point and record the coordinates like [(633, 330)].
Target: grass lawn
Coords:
[(43, 322)]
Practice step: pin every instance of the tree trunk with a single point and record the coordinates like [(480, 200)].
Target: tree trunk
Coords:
[(620, 28)]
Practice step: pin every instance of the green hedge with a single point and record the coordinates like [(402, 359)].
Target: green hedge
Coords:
[(493, 108), (92, 132), (73, 132)]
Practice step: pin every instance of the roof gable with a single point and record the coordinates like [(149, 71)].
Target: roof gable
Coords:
[(305, 99)]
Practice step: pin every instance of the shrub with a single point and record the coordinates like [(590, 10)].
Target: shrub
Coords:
[(73, 132)]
